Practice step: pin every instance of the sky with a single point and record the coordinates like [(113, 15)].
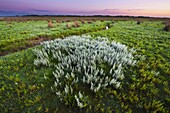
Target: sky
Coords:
[(155, 8)]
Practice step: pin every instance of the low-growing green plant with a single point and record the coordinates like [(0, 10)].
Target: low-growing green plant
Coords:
[(83, 65)]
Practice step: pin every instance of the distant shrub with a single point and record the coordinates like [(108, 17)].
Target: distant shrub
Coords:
[(167, 27), (85, 68), (63, 21), (50, 24), (108, 24), (82, 21), (76, 24), (166, 22), (58, 21), (138, 22), (102, 20), (68, 20), (68, 25), (89, 22), (94, 20)]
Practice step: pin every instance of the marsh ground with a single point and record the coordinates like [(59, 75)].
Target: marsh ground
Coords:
[(24, 89)]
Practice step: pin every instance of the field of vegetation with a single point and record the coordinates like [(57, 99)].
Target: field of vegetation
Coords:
[(125, 68)]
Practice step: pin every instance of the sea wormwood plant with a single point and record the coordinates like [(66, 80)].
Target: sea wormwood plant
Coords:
[(96, 64)]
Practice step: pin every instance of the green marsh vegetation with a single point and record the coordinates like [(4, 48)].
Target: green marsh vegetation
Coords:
[(25, 87), (21, 35)]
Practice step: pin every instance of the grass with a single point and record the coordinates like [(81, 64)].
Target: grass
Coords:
[(148, 38), (21, 35), (24, 89)]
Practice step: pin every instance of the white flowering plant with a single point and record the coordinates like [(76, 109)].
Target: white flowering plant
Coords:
[(84, 66)]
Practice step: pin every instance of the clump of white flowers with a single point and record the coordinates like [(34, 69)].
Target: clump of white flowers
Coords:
[(95, 63)]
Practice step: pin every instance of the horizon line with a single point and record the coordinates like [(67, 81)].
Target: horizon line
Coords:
[(84, 15)]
